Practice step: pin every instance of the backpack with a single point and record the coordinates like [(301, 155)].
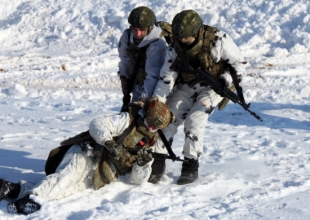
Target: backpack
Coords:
[(166, 30)]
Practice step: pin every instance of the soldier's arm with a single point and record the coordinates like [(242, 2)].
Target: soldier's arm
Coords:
[(155, 59), (124, 65), (226, 49), (167, 76), (104, 128)]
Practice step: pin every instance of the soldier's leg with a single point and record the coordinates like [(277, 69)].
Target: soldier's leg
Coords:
[(196, 121), (72, 175), (194, 129), (179, 103), (8, 189)]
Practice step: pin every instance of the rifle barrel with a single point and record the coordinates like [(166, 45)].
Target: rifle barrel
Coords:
[(202, 76)]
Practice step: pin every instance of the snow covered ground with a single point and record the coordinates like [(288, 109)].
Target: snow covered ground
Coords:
[(58, 71)]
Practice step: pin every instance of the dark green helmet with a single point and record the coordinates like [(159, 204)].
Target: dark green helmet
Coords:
[(186, 23), (142, 17)]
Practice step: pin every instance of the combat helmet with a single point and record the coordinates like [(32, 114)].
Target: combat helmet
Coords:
[(186, 23), (142, 17), (158, 113)]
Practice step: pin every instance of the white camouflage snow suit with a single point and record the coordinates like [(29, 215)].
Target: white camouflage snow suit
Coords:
[(193, 106), (75, 172)]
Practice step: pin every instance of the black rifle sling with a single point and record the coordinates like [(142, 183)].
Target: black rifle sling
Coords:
[(235, 79), (185, 58), (141, 51), (135, 69), (167, 145), (134, 73)]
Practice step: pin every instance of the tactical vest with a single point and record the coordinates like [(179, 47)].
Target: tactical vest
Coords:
[(139, 136), (199, 55), (109, 168), (132, 53)]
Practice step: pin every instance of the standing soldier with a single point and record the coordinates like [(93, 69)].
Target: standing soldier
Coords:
[(142, 53), (197, 46), (114, 145)]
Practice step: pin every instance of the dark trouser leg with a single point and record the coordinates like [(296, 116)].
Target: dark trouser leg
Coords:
[(8, 189)]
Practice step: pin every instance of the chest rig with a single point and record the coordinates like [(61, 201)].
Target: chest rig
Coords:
[(199, 54), (138, 60), (139, 135)]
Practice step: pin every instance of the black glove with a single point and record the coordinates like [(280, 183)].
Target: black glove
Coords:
[(144, 156), (113, 149)]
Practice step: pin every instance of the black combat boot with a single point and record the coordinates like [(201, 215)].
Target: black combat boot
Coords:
[(189, 171), (158, 168), (8, 189), (23, 206)]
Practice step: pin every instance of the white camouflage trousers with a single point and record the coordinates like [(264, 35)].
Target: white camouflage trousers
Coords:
[(193, 107), (72, 175)]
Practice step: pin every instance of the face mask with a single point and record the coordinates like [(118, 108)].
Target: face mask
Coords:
[(148, 128)]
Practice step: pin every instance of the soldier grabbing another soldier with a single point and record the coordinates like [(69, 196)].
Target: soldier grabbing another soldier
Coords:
[(142, 52), (114, 145), (196, 46)]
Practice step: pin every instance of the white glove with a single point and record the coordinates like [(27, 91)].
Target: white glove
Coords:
[(226, 79)]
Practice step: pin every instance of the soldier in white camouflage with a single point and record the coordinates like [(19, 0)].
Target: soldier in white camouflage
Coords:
[(198, 46)]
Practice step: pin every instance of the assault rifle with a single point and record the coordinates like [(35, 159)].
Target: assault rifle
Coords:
[(203, 77), (96, 150), (159, 156)]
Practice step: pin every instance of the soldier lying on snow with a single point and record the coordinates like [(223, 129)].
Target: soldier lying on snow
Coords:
[(114, 145)]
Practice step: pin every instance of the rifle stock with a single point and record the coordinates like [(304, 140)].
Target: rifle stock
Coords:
[(202, 76)]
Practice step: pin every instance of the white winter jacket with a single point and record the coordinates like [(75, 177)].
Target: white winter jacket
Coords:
[(155, 58), (224, 49)]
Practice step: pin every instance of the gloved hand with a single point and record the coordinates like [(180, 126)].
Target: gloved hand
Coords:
[(142, 98), (226, 79), (113, 148), (144, 156), (138, 104)]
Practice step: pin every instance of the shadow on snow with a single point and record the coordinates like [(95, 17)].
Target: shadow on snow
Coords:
[(15, 166), (235, 115)]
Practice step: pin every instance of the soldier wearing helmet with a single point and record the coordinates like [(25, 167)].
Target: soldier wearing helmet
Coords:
[(114, 145), (142, 53), (197, 46)]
